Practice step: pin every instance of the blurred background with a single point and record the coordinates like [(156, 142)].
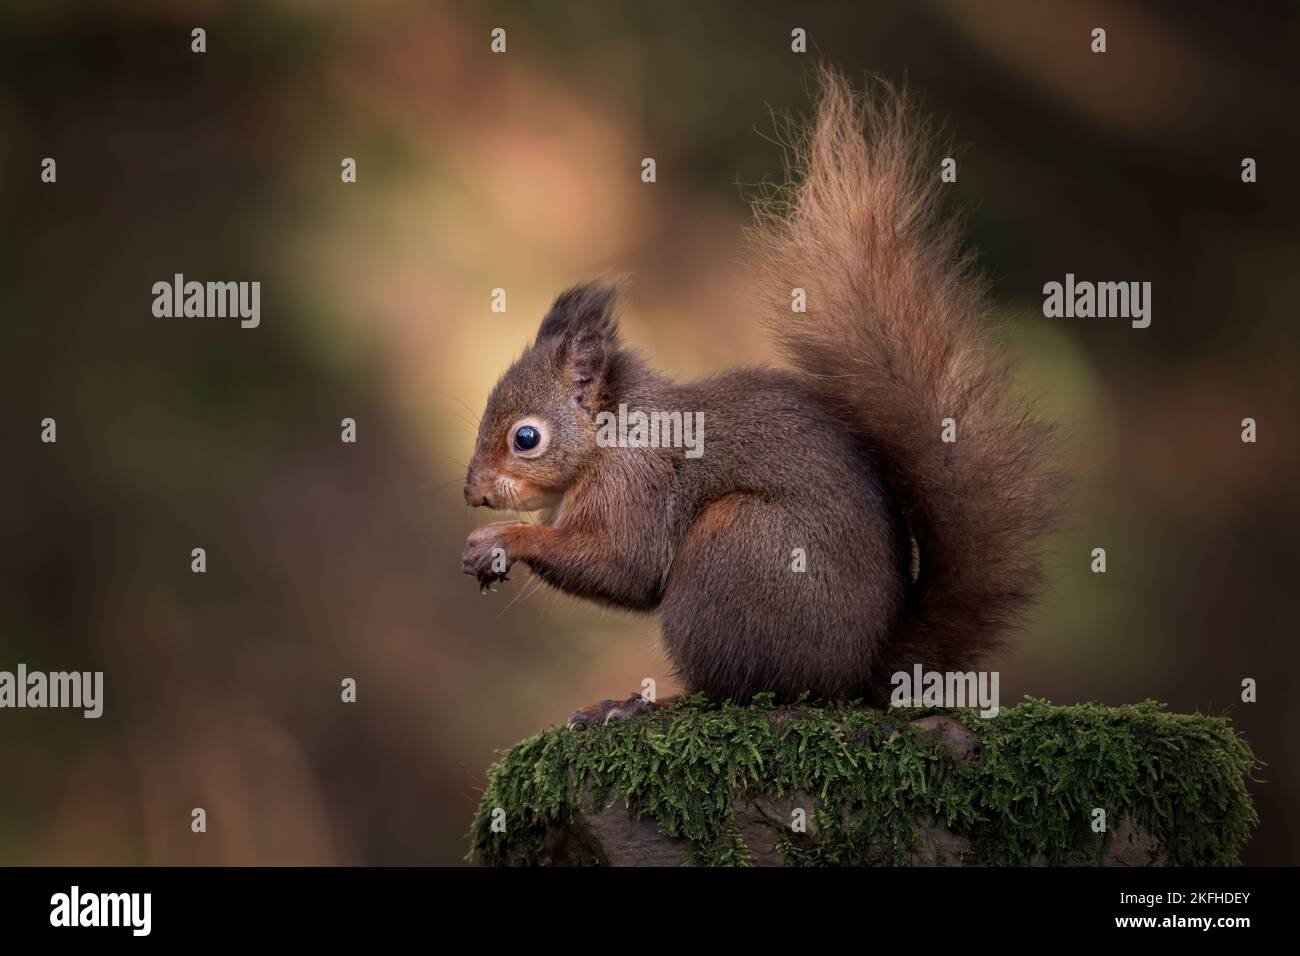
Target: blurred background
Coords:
[(521, 171)]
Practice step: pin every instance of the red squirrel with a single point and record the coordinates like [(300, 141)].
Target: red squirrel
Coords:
[(915, 549)]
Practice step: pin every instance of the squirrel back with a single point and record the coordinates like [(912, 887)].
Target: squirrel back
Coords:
[(895, 341)]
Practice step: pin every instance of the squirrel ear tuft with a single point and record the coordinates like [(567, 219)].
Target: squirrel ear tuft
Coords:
[(583, 325), (586, 311)]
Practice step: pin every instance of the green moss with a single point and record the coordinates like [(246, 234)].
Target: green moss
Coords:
[(876, 779)]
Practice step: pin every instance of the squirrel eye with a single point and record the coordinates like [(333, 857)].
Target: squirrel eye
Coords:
[(528, 438)]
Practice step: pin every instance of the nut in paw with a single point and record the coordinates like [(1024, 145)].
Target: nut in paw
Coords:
[(485, 555)]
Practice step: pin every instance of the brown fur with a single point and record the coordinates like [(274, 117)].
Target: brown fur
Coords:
[(843, 460)]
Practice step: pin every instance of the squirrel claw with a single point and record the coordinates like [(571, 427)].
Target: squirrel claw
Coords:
[(488, 578)]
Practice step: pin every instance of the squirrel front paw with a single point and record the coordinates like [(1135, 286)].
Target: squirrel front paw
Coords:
[(485, 555)]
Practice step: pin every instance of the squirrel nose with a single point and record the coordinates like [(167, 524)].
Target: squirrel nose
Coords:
[(473, 497)]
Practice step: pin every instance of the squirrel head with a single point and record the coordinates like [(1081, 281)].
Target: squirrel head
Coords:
[(539, 428)]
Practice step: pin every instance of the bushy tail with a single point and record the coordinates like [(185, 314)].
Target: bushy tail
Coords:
[(894, 339)]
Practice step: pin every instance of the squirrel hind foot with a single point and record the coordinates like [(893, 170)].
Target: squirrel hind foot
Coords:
[(605, 711)]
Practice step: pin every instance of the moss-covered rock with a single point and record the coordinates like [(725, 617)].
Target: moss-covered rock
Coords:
[(706, 784)]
